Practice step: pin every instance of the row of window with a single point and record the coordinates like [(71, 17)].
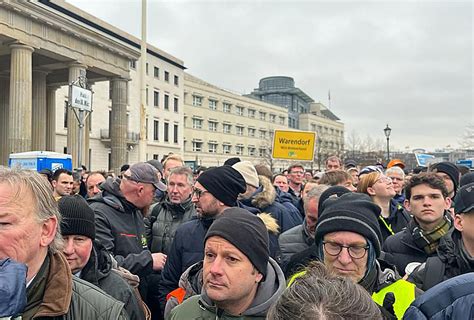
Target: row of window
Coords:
[(331, 131), (166, 131), (166, 100), (156, 73), (239, 110), (198, 146), (227, 128)]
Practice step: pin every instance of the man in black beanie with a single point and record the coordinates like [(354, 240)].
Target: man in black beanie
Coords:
[(89, 260), (214, 191), (450, 174), (239, 277)]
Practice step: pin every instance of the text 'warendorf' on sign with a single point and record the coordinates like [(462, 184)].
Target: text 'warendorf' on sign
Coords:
[(293, 145)]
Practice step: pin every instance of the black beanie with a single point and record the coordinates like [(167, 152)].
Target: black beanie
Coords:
[(246, 232), (331, 192), (232, 161), (354, 212), (450, 169), (224, 183), (77, 217)]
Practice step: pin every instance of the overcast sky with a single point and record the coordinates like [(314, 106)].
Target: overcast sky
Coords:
[(405, 63)]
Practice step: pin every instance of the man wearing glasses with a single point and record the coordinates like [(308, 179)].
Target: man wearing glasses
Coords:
[(295, 181)]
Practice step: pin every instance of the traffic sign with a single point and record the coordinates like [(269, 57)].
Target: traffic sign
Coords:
[(293, 145)]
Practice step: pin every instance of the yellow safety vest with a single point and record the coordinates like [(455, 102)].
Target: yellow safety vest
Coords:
[(404, 292)]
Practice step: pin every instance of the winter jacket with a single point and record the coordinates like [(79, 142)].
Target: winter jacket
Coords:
[(264, 200), (55, 293), (451, 299), (287, 200), (295, 240), (268, 292), (120, 229), (99, 272), (12, 287), (449, 262), (396, 221), (400, 249)]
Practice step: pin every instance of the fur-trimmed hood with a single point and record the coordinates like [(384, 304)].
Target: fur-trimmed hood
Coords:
[(266, 196)]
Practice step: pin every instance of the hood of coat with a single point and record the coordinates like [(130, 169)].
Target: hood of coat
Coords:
[(112, 196), (267, 293), (191, 279), (98, 266), (266, 194)]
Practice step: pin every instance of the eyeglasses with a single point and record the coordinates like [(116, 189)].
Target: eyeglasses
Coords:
[(383, 179), (198, 192), (297, 172), (334, 249)]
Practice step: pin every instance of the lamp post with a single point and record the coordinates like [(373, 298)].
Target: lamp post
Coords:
[(387, 132)]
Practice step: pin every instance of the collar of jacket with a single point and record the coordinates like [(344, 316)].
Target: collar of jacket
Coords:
[(98, 266), (58, 291), (177, 208)]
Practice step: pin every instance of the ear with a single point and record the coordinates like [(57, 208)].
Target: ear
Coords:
[(406, 204), (258, 277), (54, 183), (459, 222), (448, 203), (371, 191), (48, 232)]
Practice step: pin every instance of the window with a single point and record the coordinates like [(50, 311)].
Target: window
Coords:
[(167, 102), (226, 148), (251, 113), (212, 147), (272, 118), (262, 152), (263, 115), (251, 132), (240, 111), (313, 127), (197, 146), (167, 76), (239, 150), (175, 139), (166, 133), (226, 128), (226, 107), (133, 64), (212, 104), (176, 103), (263, 134), (156, 156), (156, 72), (156, 130), (197, 101), (251, 151), (65, 114), (212, 126), (197, 124), (146, 128), (176, 80), (146, 96), (146, 68), (239, 130), (282, 120), (156, 99)]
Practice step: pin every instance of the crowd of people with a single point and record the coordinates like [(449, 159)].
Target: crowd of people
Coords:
[(161, 241)]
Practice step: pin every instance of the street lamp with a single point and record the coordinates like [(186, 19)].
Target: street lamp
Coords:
[(387, 132)]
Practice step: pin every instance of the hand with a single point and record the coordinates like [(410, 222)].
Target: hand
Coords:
[(159, 260)]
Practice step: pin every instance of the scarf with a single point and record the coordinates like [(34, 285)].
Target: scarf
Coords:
[(429, 240)]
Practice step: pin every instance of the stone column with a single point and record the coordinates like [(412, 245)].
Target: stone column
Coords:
[(72, 123), (39, 118), (118, 124), (51, 118), (19, 114), (4, 97)]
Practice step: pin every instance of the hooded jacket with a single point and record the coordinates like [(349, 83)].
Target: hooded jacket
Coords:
[(268, 291), (120, 229), (99, 272)]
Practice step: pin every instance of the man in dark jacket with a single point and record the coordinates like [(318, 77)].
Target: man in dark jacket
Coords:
[(455, 254), (165, 218), (90, 261), (427, 200), (119, 220), (214, 191), (239, 278), (30, 235)]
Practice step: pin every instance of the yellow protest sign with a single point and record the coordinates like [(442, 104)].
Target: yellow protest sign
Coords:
[(293, 145)]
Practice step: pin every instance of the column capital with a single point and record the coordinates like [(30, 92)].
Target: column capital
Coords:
[(120, 79), (41, 71), (18, 45), (77, 64)]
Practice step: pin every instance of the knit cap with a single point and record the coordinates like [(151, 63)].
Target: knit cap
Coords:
[(450, 169), (224, 183), (78, 217), (246, 232), (247, 170)]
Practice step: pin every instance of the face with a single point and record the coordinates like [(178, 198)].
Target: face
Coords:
[(307, 187), (296, 175), (343, 264), (311, 215), (77, 249), (447, 181), (22, 237), (140, 194), (282, 183), (465, 224), (308, 176), (382, 188), (348, 184), (229, 277), (206, 204), (397, 181), (170, 165), (355, 177), (333, 165), (179, 189), (64, 185), (427, 205), (93, 183), (76, 186)]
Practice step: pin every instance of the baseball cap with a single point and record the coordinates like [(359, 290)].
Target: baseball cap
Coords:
[(145, 173), (464, 200)]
